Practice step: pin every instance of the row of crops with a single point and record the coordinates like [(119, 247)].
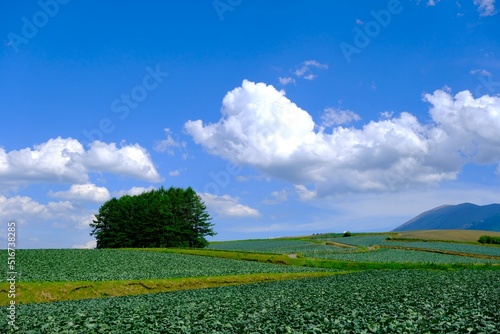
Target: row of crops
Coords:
[(464, 301), (276, 246), (398, 255), (56, 265), (448, 246), (361, 251)]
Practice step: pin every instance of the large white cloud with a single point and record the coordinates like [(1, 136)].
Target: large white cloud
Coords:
[(65, 160), (262, 128)]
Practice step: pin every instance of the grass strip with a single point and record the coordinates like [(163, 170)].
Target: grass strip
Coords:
[(40, 292)]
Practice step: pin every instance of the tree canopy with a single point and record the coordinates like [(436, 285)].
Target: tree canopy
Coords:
[(159, 218)]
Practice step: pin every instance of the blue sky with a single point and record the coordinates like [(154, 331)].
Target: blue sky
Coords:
[(287, 117)]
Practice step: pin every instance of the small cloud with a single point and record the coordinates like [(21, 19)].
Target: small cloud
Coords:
[(89, 245), (174, 172), (432, 3), (168, 145), (304, 70), (335, 116), (304, 193), (359, 22), (278, 197), (486, 7), (286, 80), (386, 114), (132, 191), (483, 73)]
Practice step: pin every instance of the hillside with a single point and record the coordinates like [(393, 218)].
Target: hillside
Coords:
[(465, 216)]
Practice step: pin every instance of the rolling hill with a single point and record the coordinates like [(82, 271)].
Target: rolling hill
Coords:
[(465, 216)]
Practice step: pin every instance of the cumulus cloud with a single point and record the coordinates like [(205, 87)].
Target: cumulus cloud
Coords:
[(486, 7), (128, 160), (262, 128), (87, 192), (228, 206), (65, 160)]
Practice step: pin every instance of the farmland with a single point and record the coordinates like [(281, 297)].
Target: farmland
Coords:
[(322, 283), (410, 301), (58, 265)]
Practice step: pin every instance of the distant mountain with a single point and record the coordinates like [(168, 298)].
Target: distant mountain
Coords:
[(465, 216)]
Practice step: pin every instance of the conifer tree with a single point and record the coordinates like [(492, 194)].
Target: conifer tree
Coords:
[(159, 218)]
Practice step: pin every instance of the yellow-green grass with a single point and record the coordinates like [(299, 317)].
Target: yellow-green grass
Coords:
[(39, 292), (447, 235)]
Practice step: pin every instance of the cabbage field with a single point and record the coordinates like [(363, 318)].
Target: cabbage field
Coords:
[(395, 301), (57, 265)]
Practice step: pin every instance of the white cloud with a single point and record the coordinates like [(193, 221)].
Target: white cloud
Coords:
[(305, 69), (335, 116), (286, 80), (359, 22), (128, 160), (89, 245), (483, 73), (432, 2), (277, 197), (228, 206), (87, 192), (64, 160), (174, 172), (168, 145), (132, 191), (26, 209), (304, 193), (486, 7), (261, 128)]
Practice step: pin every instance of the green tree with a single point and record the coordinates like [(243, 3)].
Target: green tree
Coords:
[(173, 217)]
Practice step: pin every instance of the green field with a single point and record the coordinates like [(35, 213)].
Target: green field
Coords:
[(63, 265), (323, 283), (464, 301)]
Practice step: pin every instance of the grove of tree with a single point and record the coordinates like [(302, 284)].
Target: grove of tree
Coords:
[(173, 217)]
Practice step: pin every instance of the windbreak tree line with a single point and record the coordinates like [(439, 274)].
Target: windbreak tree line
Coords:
[(173, 217)]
